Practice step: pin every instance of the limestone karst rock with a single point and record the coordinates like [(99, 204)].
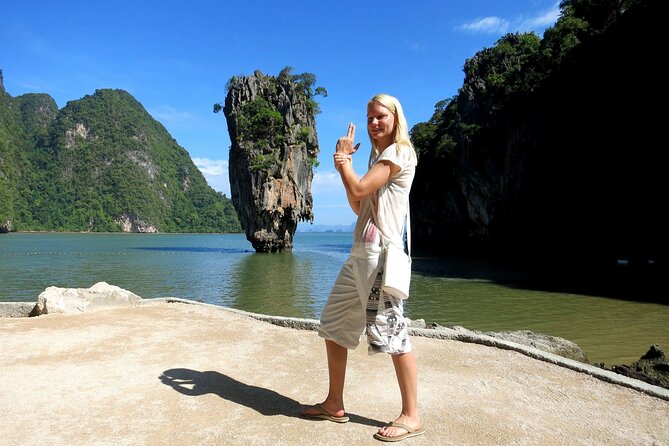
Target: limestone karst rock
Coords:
[(274, 148), (101, 163)]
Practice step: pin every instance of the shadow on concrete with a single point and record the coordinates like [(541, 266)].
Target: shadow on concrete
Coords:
[(265, 401)]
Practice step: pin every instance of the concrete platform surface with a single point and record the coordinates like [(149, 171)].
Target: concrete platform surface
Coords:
[(180, 374)]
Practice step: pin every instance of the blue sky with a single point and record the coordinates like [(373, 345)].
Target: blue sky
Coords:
[(175, 57)]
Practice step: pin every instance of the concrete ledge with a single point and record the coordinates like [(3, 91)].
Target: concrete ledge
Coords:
[(290, 322), (596, 372), (16, 309), (186, 374), (458, 335), (23, 309)]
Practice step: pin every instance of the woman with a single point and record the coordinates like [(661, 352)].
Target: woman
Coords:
[(357, 303)]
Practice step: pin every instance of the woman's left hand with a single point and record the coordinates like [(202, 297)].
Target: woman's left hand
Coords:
[(340, 159), (345, 143)]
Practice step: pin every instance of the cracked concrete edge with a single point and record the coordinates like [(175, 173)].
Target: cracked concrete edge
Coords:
[(22, 309)]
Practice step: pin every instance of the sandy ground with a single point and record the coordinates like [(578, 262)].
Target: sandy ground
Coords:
[(179, 374)]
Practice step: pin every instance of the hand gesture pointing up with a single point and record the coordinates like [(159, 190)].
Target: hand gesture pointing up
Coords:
[(345, 143)]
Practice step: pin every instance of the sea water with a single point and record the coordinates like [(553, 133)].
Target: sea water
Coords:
[(223, 269)]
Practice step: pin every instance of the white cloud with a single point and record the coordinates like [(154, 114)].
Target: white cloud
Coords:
[(327, 183), (216, 173), (169, 114), (542, 20), (498, 25), (489, 25), (330, 204), (326, 178), (211, 167)]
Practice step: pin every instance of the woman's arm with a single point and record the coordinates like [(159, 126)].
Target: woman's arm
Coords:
[(359, 188), (355, 204)]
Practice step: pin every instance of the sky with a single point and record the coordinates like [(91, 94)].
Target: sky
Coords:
[(175, 57)]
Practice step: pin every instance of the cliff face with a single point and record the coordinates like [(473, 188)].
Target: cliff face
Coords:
[(24, 123), (537, 159), (273, 150)]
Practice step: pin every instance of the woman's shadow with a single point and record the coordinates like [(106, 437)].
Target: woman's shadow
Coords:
[(267, 402)]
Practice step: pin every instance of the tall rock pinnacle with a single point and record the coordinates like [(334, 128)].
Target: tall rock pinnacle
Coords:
[(274, 148)]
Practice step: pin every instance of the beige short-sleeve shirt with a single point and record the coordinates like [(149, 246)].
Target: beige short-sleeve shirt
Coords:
[(383, 212)]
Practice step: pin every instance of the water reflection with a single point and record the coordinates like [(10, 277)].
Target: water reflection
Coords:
[(618, 281), (222, 269), (609, 330), (279, 284)]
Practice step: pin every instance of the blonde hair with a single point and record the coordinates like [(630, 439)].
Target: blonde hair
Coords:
[(401, 137)]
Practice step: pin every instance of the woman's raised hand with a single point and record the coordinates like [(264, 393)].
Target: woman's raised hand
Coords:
[(345, 143)]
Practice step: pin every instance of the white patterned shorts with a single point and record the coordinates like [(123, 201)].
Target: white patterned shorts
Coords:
[(357, 305)]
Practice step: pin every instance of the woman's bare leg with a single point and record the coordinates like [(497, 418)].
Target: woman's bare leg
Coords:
[(407, 378), (337, 358)]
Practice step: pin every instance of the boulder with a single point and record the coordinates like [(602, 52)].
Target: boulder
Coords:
[(78, 300), (551, 344), (652, 368)]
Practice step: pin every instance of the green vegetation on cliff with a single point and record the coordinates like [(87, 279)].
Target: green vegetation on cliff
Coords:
[(548, 150), (101, 163)]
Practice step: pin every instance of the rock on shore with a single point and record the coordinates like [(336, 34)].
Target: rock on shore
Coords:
[(652, 368), (77, 300), (551, 344)]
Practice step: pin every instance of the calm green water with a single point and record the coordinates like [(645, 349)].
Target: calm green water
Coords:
[(222, 269)]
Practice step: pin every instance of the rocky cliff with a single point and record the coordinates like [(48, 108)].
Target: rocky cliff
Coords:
[(101, 163), (274, 148), (536, 160)]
